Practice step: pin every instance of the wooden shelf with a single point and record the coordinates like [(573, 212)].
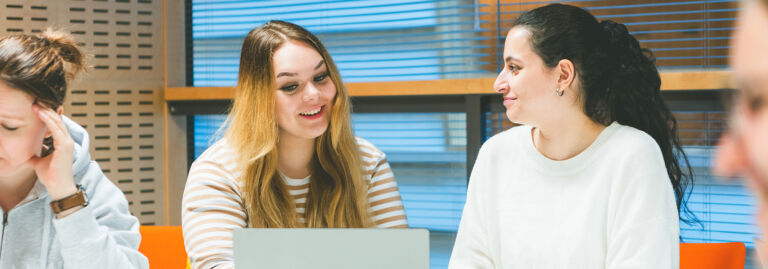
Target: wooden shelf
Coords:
[(671, 81)]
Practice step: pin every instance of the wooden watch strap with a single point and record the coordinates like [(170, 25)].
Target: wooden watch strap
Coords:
[(71, 201)]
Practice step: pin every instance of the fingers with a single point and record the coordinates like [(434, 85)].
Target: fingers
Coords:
[(55, 125)]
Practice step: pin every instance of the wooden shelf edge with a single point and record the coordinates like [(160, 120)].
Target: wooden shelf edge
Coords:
[(671, 81)]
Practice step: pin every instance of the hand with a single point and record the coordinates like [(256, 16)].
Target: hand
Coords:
[(55, 170)]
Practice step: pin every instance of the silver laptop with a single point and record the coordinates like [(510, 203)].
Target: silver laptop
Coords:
[(331, 248)]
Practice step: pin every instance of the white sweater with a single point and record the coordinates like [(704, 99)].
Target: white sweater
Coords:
[(611, 206)]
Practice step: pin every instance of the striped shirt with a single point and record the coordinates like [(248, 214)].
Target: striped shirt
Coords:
[(213, 202)]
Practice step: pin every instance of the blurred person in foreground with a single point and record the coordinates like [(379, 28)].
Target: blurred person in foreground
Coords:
[(743, 150)]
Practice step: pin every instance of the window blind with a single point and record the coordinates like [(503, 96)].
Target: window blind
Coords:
[(427, 155), (681, 34), (368, 40), (724, 207)]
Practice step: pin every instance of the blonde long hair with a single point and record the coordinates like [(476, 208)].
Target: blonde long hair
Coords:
[(337, 193)]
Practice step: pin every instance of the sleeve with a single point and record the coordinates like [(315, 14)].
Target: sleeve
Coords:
[(384, 197), (103, 234), (211, 209), (471, 248), (642, 225)]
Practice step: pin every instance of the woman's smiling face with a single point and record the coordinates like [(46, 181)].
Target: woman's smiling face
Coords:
[(305, 92)]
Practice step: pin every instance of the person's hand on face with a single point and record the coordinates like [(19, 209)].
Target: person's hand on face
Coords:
[(55, 170)]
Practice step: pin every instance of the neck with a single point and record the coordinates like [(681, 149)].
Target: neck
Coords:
[(15, 187), (565, 138), (294, 156)]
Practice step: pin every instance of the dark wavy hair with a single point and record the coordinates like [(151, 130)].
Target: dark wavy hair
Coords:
[(619, 81)]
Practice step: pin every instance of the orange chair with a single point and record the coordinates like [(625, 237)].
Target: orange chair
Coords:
[(163, 246), (712, 255)]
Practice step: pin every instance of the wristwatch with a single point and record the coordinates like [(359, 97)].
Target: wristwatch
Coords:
[(74, 200)]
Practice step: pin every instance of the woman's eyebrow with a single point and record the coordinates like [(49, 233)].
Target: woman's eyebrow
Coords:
[(289, 74)]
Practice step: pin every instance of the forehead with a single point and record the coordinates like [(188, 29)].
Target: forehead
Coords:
[(750, 42), (518, 43), (295, 56), (14, 103)]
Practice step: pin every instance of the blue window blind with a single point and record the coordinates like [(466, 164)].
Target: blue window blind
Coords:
[(427, 153), (682, 34), (368, 40), (725, 207), (206, 127)]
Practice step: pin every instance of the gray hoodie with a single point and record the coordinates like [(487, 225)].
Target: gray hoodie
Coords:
[(103, 234)]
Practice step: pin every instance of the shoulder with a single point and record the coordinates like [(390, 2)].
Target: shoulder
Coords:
[(372, 158), (633, 143), (626, 133), (507, 141), (220, 155), (634, 155), (368, 151), (217, 167), (374, 162)]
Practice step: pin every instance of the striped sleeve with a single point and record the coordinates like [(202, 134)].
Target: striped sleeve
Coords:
[(211, 209), (383, 195)]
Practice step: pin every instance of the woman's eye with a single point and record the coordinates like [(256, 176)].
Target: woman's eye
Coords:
[(754, 103), (289, 88), (10, 128), (321, 77), (513, 68)]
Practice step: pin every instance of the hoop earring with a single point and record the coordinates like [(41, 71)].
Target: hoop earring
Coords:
[(558, 92)]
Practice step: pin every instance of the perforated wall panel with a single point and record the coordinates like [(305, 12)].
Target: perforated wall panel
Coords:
[(119, 101)]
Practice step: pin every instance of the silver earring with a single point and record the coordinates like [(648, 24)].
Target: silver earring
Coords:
[(558, 92)]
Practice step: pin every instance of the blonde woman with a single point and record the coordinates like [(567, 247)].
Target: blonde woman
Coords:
[(288, 158)]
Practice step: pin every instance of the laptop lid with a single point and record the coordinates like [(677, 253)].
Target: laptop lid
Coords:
[(331, 248)]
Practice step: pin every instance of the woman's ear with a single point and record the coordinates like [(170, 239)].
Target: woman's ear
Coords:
[(566, 74)]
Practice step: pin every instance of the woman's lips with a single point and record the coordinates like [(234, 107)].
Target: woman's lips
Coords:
[(315, 116)]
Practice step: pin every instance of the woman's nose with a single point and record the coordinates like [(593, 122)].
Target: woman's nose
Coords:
[(311, 93), (500, 85)]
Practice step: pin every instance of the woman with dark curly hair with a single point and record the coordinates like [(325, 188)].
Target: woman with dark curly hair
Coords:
[(594, 178)]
